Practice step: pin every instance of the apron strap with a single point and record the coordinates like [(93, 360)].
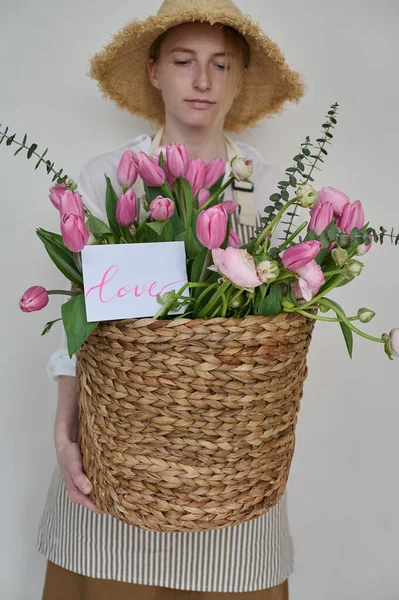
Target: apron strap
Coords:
[(242, 190)]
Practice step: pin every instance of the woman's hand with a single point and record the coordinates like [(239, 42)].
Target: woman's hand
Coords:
[(77, 484), (66, 442)]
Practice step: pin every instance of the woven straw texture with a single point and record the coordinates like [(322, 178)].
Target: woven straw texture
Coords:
[(120, 68), (189, 425)]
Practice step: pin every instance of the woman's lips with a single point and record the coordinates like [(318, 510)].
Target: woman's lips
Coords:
[(200, 104)]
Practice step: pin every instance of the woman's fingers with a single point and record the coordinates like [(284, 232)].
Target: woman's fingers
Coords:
[(77, 484)]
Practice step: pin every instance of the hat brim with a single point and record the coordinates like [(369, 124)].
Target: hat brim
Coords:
[(121, 70)]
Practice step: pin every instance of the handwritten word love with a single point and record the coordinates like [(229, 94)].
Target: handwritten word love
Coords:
[(125, 290)]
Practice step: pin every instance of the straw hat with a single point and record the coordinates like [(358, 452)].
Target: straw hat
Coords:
[(121, 66)]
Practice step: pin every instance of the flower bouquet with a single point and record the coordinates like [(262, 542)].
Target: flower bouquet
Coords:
[(188, 417)]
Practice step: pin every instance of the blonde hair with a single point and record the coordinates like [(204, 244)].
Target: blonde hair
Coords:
[(238, 59)]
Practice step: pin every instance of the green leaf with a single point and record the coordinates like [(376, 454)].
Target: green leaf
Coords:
[(346, 330), (198, 264), (157, 226), (192, 246), (187, 191), (77, 329), (49, 325), (111, 200), (61, 256), (272, 304), (98, 227)]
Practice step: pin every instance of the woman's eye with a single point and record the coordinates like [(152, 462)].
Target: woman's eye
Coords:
[(181, 62), (221, 67)]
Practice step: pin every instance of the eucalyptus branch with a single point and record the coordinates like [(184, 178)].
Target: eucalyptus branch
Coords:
[(31, 150), (279, 199)]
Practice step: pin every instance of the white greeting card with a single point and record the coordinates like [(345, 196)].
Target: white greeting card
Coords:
[(122, 281)]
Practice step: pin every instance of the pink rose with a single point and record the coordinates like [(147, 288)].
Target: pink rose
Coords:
[(237, 265), (311, 278)]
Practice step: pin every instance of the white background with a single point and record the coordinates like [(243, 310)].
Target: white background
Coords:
[(343, 489)]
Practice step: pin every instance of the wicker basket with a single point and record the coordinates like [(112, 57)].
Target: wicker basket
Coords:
[(189, 425)]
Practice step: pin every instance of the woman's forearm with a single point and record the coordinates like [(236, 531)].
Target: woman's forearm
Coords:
[(66, 426)]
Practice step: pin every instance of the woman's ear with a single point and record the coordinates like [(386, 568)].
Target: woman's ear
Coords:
[(153, 72)]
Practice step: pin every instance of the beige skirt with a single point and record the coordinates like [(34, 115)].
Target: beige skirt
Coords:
[(61, 584)]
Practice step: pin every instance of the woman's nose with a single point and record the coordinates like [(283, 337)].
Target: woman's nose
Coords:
[(202, 80)]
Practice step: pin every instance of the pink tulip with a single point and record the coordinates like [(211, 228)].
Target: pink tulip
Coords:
[(337, 198), (214, 170), (71, 204), (322, 215), (298, 256), (237, 265), (162, 208), (149, 171), (352, 216), (56, 193), (212, 227), (127, 170), (229, 206), (126, 209), (234, 240), (311, 278), (195, 175), (35, 298), (203, 196), (394, 341), (169, 176), (177, 159), (74, 232)]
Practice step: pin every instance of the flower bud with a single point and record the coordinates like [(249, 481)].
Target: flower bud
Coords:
[(167, 297), (363, 248), (307, 196), (127, 170), (354, 267), (365, 315), (340, 256), (242, 168), (287, 304), (162, 208), (268, 270), (394, 341), (35, 298)]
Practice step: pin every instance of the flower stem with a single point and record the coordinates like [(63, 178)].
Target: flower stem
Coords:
[(205, 266), (214, 299), (216, 194), (274, 221), (63, 292)]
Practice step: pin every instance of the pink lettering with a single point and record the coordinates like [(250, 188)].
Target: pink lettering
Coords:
[(137, 290)]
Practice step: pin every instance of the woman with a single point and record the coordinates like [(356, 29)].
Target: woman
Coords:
[(195, 79)]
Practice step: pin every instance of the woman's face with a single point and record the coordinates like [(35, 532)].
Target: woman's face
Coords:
[(191, 73)]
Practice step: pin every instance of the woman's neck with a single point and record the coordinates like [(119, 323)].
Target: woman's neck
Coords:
[(198, 142)]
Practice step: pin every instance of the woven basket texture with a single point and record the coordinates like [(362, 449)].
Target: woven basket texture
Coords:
[(189, 425)]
